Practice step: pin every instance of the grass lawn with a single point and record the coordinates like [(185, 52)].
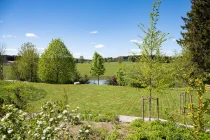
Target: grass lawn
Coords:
[(108, 99), (104, 99), (111, 68)]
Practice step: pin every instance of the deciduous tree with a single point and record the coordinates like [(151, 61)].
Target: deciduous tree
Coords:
[(57, 64), (28, 62), (150, 70), (97, 66)]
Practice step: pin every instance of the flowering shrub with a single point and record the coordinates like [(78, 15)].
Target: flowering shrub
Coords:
[(12, 124), (84, 132), (50, 123)]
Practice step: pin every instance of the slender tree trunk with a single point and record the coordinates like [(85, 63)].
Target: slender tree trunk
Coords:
[(57, 77), (150, 103), (98, 79)]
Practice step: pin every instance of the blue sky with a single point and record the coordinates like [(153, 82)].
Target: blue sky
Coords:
[(85, 26)]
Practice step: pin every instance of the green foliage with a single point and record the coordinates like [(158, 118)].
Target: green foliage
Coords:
[(112, 81), (50, 123), (85, 132), (81, 59), (120, 77), (183, 69), (151, 70), (198, 112), (98, 117), (97, 66), (14, 72), (21, 94), (120, 59), (196, 32), (57, 64), (160, 130), (27, 63)]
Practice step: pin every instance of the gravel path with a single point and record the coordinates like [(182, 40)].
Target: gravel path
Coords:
[(128, 119)]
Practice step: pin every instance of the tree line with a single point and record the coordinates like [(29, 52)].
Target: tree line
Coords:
[(55, 65)]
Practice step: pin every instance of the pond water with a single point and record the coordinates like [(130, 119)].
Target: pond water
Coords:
[(101, 82)]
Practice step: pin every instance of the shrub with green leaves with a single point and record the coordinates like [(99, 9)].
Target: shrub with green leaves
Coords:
[(50, 123), (161, 130), (20, 94)]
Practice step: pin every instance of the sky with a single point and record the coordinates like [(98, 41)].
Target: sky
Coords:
[(107, 26)]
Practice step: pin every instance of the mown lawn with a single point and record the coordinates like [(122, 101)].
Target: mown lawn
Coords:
[(109, 99), (104, 99), (110, 68)]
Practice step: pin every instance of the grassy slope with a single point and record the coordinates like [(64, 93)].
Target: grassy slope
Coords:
[(120, 100), (111, 68)]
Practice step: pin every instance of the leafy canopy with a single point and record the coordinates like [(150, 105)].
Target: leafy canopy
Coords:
[(97, 66), (57, 64), (28, 62)]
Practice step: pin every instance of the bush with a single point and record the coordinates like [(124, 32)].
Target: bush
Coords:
[(50, 123), (112, 81), (161, 130), (84, 80), (120, 77), (97, 117), (20, 94)]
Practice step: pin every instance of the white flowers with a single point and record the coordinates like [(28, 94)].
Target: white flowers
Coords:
[(51, 119), (65, 111), (50, 123), (4, 137), (59, 116), (9, 131), (87, 131)]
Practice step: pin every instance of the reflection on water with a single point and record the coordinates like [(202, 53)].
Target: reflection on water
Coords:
[(101, 82)]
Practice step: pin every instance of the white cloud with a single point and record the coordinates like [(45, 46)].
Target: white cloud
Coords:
[(136, 41), (8, 36), (31, 35), (99, 46), (93, 32)]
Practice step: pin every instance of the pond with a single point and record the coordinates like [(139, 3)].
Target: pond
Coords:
[(101, 82)]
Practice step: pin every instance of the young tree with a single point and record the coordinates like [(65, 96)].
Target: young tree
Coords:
[(97, 66), (151, 69), (57, 64), (81, 59), (120, 59), (2, 51), (196, 34), (28, 62)]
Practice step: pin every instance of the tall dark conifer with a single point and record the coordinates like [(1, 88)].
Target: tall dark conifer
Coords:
[(196, 34)]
